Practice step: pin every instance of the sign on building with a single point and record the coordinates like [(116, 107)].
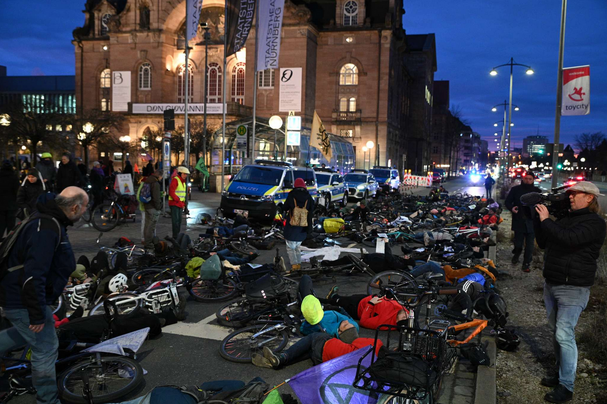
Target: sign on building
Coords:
[(241, 137), (179, 108), (121, 91), (290, 89)]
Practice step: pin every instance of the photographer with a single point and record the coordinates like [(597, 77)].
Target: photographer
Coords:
[(572, 245), (522, 225)]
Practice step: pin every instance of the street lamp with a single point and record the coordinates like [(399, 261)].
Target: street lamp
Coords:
[(275, 123), (124, 139), (493, 72), (370, 145), (5, 120)]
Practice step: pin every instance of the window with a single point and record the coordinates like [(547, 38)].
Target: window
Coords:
[(350, 13), (265, 78), (104, 27), (145, 76), (348, 75), (352, 104), (105, 104), (434, 149), (238, 73), (214, 83), (343, 104), (106, 78), (105, 81), (346, 132), (144, 17), (181, 84)]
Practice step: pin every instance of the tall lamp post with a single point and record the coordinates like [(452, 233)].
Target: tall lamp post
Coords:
[(275, 123), (370, 145), (125, 140), (502, 140), (493, 72)]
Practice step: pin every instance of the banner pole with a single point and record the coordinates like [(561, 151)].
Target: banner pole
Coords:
[(223, 129), (252, 155), (559, 96)]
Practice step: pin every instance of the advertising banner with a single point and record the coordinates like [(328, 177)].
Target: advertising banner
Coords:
[(193, 8), (238, 24), (576, 91), (213, 108), (268, 37), (290, 90), (121, 91)]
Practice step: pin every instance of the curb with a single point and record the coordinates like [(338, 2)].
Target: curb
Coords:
[(486, 388)]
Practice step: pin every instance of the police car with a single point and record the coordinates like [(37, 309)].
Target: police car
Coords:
[(360, 184), (386, 177), (331, 187), (259, 189)]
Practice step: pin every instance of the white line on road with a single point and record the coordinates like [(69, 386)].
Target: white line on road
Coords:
[(201, 329)]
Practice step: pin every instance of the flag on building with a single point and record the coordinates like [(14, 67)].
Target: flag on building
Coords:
[(319, 138), (268, 37), (193, 8), (576, 91), (239, 21)]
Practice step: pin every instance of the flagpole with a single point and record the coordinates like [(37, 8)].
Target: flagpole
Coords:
[(255, 85), (223, 134), (186, 136)]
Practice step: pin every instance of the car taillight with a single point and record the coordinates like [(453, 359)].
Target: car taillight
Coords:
[(579, 178)]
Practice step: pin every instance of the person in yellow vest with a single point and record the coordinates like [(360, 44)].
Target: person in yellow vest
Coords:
[(177, 195)]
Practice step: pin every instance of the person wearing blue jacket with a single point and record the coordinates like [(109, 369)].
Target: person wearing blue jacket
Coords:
[(317, 320), (42, 259)]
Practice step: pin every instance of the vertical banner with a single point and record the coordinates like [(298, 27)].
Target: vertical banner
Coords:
[(269, 28), (290, 90), (193, 8), (238, 23), (576, 91), (121, 91), (319, 138)]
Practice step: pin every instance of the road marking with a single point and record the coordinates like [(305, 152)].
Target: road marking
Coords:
[(201, 329)]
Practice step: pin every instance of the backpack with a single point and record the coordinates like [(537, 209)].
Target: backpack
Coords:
[(145, 194), (299, 217), (9, 242)]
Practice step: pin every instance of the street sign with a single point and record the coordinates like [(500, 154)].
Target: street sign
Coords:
[(293, 138), (166, 158), (293, 122), (241, 137)]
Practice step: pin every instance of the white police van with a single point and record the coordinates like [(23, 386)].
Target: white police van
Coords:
[(387, 177), (331, 187), (259, 189)]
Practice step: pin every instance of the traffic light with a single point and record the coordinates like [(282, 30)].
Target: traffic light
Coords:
[(559, 166), (169, 119)]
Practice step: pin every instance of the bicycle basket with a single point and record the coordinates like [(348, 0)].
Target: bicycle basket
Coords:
[(270, 286)]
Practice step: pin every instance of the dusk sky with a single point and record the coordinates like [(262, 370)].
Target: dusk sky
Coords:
[(472, 36)]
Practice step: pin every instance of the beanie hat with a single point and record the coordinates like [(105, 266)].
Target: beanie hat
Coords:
[(349, 335), (32, 171), (46, 155), (299, 183), (312, 310)]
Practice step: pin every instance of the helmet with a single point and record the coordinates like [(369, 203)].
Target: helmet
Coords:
[(203, 218), (182, 169), (46, 155), (118, 283), (312, 309), (507, 340), (493, 307)]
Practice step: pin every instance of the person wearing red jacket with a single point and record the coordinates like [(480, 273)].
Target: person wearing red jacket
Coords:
[(319, 346), (370, 311), (177, 194)]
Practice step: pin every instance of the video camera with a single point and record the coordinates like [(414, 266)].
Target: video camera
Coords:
[(557, 202)]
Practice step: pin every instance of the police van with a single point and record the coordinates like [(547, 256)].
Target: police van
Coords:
[(331, 187), (259, 189), (387, 177)]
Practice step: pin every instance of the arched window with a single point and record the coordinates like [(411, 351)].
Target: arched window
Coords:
[(214, 83), (105, 78), (350, 13), (238, 73), (352, 104), (181, 84), (343, 104), (348, 75), (104, 27), (105, 81), (145, 76)]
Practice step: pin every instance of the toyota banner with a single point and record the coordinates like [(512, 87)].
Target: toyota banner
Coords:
[(576, 91)]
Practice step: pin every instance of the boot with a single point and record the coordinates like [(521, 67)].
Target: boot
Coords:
[(526, 267), (515, 258), (560, 394), (272, 358), (552, 380)]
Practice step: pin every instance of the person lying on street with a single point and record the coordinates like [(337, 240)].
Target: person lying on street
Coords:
[(318, 320), (319, 346)]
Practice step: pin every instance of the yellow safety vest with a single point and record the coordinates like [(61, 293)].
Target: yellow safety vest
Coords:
[(179, 191)]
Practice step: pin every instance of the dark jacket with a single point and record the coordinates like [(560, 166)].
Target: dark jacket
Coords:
[(156, 202), (128, 168), (489, 182), (148, 169), (68, 175), (28, 194), (9, 185), (46, 269), (572, 246), (97, 180), (521, 221), (48, 171), (299, 196)]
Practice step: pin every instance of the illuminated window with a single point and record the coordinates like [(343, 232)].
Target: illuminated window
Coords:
[(181, 84), (352, 104), (105, 104), (106, 78), (343, 104), (214, 83), (145, 76), (350, 13), (348, 75), (238, 74)]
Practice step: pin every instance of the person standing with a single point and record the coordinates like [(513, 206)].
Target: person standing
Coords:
[(128, 168), (148, 169), (298, 208), (9, 186), (47, 169), (29, 191), (68, 174), (81, 168), (522, 224), (489, 183), (572, 246), (45, 255), (152, 209), (177, 194)]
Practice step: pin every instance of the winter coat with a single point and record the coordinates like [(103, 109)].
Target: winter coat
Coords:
[(299, 196), (148, 169), (330, 324), (572, 245), (156, 202), (372, 316), (47, 263), (334, 348), (97, 176), (521, 221), (68, 175), (48, 171), (28, 194), (128, 168), (9, 186), (489, 182)]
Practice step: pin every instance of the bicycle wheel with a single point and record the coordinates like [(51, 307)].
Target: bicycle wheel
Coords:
[(240, 345), (242, 247), (125, 302), (361, 265), (105, 217), (401, 282), (110, 379), (209, 291), (146, 277), (237, 313)]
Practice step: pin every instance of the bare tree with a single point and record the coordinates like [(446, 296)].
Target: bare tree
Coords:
[(454, 127), (589, 141)]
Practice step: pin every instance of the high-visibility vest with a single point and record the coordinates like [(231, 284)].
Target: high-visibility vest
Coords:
[(180, 190)]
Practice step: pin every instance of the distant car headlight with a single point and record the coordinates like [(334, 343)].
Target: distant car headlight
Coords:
[(475, 178), (360, 187)]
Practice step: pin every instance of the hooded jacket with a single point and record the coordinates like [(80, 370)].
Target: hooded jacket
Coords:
[(373, 315), (46, 269), (47, 169), (28, 193), (68, 175), (330, 324)]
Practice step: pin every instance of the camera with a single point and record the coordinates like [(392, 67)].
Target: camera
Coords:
[(557, 202)]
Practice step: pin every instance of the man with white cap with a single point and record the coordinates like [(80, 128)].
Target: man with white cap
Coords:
[(177, 194), (572, 245)]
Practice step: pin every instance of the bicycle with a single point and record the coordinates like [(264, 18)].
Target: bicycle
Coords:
[(107, 216)]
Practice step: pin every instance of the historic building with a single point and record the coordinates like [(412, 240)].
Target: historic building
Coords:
[(365, 78)]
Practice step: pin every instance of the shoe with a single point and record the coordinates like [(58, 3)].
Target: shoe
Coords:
[(560, 394), (260, 361), (271, 357), (295, 268), (281, 265), (526, 267), (550, 381), (332, 292), (515, 258)]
